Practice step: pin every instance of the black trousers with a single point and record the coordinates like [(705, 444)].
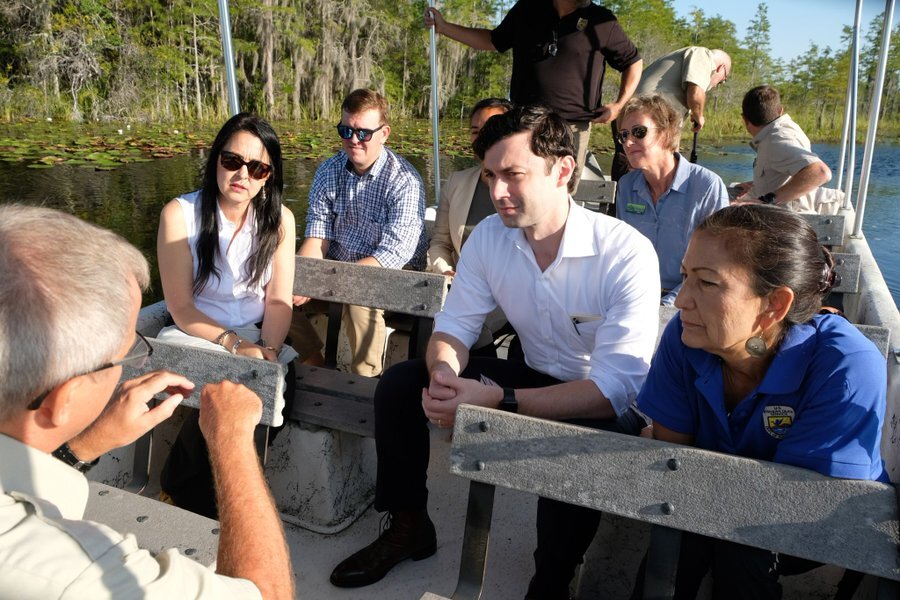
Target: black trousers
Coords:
[(187, 475), (564, 531), (620, 164), (738, 572)]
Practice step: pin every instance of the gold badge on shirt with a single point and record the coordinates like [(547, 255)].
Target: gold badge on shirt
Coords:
[(581, 24)]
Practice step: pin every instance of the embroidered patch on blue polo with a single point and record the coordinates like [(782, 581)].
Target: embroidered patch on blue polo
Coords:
[(777, 420)]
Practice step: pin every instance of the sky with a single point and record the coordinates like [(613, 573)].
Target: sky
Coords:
[(794, 23)]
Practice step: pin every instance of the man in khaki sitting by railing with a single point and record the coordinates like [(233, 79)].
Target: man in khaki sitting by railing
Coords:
[(786, 171), (70, 294)]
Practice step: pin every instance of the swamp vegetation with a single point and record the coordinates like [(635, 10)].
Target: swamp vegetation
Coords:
[(142, 79)]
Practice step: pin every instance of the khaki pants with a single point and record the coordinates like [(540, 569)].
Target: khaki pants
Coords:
[(366, 334), (582, 134)]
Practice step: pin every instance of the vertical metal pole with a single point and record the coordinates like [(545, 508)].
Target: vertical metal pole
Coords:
[(874, 110), (228, 57), (853, 91), (435, 116), (848, 102)]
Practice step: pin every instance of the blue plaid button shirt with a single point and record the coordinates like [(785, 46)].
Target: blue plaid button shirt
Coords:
[(379, 214)]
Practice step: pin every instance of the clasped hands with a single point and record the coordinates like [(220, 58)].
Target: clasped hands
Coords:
[(447, 390)]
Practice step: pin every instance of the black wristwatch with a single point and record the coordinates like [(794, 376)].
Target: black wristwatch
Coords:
[(65, 454), (509, 402), (767, 198)]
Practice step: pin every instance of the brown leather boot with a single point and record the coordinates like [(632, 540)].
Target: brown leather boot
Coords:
[(404, 534)]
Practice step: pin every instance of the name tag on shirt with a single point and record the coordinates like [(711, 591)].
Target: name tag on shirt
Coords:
[(637, 209)]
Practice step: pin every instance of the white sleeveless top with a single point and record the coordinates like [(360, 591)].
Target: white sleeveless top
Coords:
[(227, 299)]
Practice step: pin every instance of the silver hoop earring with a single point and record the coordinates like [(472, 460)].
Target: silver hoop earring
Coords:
[(756, 346)]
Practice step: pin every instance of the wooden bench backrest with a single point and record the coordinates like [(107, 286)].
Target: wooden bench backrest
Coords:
[(407, 292), (201, 366), (758, 503), (829, 228), (847, 266), (595, 194)]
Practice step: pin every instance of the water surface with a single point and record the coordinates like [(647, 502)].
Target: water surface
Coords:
[(128, 199)]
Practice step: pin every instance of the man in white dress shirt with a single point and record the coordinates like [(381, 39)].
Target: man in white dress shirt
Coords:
[(580, 289)]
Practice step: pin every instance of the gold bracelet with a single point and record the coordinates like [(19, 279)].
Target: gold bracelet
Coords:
[(220, 340)]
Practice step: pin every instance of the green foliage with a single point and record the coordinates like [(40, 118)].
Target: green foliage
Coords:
[(161, 60)]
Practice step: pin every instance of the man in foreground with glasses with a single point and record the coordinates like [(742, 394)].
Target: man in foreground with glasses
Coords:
[(560, 52), (366, 205), (682, 77), (67, 326), (582, 292)]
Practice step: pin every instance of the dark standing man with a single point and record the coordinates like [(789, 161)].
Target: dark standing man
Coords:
[(560, 51), (582, 292)]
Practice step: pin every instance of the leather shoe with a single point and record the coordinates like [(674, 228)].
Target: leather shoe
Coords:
[(404, 535)]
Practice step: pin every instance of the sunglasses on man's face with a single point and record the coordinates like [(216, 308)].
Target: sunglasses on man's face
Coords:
[(364, 135), (638, 131), (233, 162)]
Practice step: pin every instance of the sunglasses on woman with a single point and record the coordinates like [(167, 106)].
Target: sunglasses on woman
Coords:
[(638, 131), (233, 162), (364, 135)]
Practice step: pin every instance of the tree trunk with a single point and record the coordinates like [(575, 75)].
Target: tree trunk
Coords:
[(267, 48), (198, 98)]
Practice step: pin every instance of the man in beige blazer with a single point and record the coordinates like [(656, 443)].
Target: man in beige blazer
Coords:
[(464, 200)]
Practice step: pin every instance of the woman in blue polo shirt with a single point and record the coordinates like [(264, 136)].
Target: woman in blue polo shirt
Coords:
[(750, 368), (664, 196)]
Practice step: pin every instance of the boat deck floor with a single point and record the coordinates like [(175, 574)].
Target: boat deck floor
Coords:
[(510, 563)]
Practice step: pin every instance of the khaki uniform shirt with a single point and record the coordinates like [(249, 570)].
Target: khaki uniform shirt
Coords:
[(669, 75), (782, 150), (47, 551)]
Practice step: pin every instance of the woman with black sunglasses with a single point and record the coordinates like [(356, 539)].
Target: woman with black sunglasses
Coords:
[(664, 196), (226, 261)]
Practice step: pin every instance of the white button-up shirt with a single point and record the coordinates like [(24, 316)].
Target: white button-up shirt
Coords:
[(47, 551), (592, 314), (228, 299)]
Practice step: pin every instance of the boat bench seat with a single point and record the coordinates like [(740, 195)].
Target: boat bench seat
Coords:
[(596, 194), (157, 525), (343, 401), (829, 228), (203, 366), (849, 523)]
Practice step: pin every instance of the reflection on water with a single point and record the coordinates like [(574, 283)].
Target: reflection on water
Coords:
[(128, 200)]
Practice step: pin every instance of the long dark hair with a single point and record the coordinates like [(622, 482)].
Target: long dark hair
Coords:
[(780, 249), (266, 204)]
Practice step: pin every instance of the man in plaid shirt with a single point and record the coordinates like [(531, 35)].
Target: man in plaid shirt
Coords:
[(366, 205)]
